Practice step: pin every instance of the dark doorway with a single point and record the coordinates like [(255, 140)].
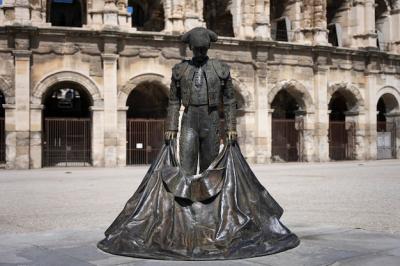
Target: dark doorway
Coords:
[(280, 23), (341, 136), (2, 129), (66, 13), (386, 127), (334, 11), (67, 126), (285, 137), (147, 15), (145, 122), (218, 17)]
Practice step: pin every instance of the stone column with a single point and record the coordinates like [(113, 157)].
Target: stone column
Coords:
[(321, 114), (357, 119), (110, 109), (36, 136), (395, 15), (371, 113), (110, 13), (122, 138), (262, 21), (306, 128), (268, 135), (97, 136), (22, 104), (320, 30), (174, 16), (11, 135), (248, 9), (193, 14), (124, 19), (364, 34), (263, 120)]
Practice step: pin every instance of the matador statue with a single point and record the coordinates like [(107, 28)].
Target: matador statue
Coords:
[(200, 85), (221, 213)]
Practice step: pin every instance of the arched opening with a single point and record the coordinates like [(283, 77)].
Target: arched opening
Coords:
[(67, 126), (66, 13), (334, 15), (218, 16), (286, 138), (147, 15), (2, 130), (386, 126), (280, 22), (342, 126), (147, 110), (382, 26)]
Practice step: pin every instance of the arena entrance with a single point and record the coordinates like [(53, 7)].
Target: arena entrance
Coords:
[(341, 130), (2, 130), (286, 133), (386, 127), (67, 126), (147, 111)]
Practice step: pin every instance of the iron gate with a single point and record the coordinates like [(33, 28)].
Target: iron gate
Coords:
[(67, 142), (2, 140), (285, 140), (144, 140), (341, 141), (386, 140)]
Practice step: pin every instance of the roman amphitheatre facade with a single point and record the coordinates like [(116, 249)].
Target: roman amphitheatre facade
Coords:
[(86, 82)]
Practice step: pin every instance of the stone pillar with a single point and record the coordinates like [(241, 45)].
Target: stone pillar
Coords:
[(320, 31), (321, 114), (11, 135), (306, 129), (263, 122), (248, 18), (36, 136), (110, 13), (371, 113), (395, 19), (122, 138), (364, 34), (22, 11), (97, 136), (268, 134), (124, 19), (22, 104), (262, 21), (357, 119), (193, 14), (110, 109), (174, 16)]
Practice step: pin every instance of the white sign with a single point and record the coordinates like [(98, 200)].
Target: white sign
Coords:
[(139, 145)]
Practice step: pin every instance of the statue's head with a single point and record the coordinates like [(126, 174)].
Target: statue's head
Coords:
[(199, 40)]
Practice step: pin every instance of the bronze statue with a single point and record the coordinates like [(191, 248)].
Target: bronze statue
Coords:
[(221, 213), (200, 84)]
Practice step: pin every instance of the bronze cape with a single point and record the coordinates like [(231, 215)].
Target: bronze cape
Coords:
[(223, 213)]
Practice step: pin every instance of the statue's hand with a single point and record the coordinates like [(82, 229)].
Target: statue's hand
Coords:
[(170, 135), (231, 135)]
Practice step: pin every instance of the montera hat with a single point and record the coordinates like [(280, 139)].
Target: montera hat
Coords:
[(199, 37)]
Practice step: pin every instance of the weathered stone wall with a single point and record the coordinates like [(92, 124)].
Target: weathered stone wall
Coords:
[(109, 59)]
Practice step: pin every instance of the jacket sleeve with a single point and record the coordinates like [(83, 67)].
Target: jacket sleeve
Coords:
[(229, 101), (174, 105)]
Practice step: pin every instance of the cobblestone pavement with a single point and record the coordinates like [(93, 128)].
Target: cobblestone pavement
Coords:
[(346, 213)]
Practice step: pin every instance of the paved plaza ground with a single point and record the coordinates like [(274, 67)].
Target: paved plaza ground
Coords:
[(345, 213)]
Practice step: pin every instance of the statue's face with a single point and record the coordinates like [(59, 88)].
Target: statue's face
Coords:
[(200, 52)]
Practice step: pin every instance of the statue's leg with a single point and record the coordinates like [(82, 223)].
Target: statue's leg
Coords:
[(209, 139), (188, 144)]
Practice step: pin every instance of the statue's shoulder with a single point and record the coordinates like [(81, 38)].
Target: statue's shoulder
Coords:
[(221, 68), (179, 69)]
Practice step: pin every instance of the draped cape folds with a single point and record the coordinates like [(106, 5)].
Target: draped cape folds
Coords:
[(223, 213)]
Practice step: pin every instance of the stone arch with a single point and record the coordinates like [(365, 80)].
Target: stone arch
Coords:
[(70, 76), (355, 101), (394, 93), (297, 90), (135, 81), (7, 91)]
